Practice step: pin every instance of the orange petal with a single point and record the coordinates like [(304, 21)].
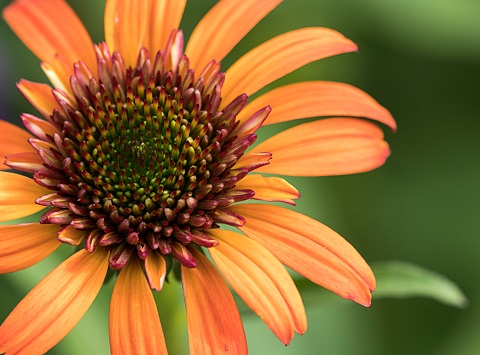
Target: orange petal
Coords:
[(40, 96), (310, 248), (223, 27), (14, 140), (317, 98), (24, 245), (125, 27), (55, 305), (214, 323), (134, 322), (51, 27), (17, 196), (71, 235), (280, 56), (261, 281), (269, 188), (164, 17), (58, 73), (29, 162), (156, 270), (252, 161), (334, 146)]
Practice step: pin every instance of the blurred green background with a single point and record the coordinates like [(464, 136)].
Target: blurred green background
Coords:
[(420, 59)]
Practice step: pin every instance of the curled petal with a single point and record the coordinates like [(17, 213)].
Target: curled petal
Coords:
[(262, 282), (24, 245), (282, 55), (40, 96), (134, 322), (125, 27), (17, 196), (214, 323), (272, 189), (334, 146), (318, 98), (163, 17), (156, 270), (29, 162), (310, 248), (47, 33), (38, 127), (55, 305), (223, 27)]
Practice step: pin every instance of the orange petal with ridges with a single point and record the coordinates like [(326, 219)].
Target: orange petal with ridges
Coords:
[(310, 248), (223, 27), (53, 307), (125, 27), (29, 162), (134, 323), (214, 323), (58, 73), (262, 282), (291, 50), (23, 245), (50, 27), (164, 17), (272, 189), (156, 270), (14, 140), (39, 96), (17, 196), (333, 146), (317, 98)]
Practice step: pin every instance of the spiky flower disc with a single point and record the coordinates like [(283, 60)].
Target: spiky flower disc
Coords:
[(145, 161)]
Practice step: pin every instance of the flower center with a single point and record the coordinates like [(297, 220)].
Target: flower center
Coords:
[(144, 161)]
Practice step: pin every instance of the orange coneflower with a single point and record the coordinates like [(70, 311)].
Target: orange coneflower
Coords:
[(143, 152)]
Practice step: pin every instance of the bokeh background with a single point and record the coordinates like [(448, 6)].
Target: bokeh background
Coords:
[(420, 59)]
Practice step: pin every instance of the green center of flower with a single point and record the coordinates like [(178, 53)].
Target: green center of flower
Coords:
[(145, 161)]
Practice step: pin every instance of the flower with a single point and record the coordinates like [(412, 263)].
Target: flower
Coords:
[(144, 151)]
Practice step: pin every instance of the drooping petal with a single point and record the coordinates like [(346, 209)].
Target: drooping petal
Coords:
[(23, 245), (223, 27), (317, 98), (272, 189), (280, 56), (334, 146), (14, 140), (262, 282), (156, 270), (214, 323), (310, 248), (163, 17), (134, 322), (47, 32), (40, 96), (55, 305), (17, 196), (125, 27)]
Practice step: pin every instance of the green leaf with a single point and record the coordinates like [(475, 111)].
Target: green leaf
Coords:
[(397, 279)]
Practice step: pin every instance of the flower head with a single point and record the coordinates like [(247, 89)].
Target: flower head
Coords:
[(144, 151)]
